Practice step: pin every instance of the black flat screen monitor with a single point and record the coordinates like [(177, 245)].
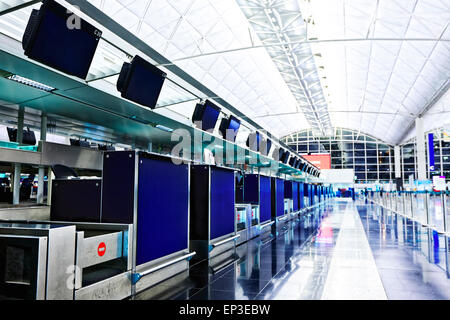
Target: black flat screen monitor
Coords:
[(79, 143), (292, 161), (254, 141), (265, 146), (28, 137), (106, 148), (231, 127), (141, 82), (61, 40), (206, 115), (304, 167), (277, 153), (284, 157)]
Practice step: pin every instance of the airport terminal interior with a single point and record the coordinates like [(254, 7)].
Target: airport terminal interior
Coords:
[(224, 150)]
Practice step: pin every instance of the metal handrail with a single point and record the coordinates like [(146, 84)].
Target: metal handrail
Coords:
[(135, 277), (269, 223), (216, 244)]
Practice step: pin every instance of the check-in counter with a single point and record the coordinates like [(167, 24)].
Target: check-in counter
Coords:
[(315, 193), (278, 204), (265, 207), (213, 222), (65, 261), (288, 199), (151, 192), (148, 191), (295, 200), (301, 197), (308, 196), (256, 192)]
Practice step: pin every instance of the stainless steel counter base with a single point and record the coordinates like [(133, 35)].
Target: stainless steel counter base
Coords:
[(242, 236), (114, 288)]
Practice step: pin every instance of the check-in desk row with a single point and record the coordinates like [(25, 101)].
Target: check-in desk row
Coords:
[(147, 219), (275, 202)]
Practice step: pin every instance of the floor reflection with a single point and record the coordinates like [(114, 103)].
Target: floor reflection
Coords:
[(411, 260)]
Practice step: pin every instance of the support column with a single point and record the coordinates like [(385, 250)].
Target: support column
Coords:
[(421, 159), (18, 166), (398, 168), (40, 191), (49, 185), (20, 124), (16, 183)]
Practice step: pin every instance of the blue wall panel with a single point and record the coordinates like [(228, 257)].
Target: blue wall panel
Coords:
[(265, 199), (222, 202), (163, 200)]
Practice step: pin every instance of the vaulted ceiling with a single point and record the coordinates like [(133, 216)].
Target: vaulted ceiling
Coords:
[(368, 65)]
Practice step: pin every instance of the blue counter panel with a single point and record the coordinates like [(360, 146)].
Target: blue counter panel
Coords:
[(118, 187), (280, 197), (265, 200), (288, 194), (295, 196), (310, 194), (163, 208), (301, 194), (222, 202), (251, 188)]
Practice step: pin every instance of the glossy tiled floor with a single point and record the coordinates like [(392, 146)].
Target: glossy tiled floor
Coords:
[(359, 252)]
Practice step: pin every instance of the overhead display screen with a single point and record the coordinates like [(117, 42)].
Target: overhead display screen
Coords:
[(206, 115), (254, 141), (265, 146), (231, 127), (292, 161), (284, 156), (141, 82), (49, 38)]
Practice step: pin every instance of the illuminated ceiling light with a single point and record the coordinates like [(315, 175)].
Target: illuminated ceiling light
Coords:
[(30, 83)]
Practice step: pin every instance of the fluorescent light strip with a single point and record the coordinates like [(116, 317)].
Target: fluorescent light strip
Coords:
[(163, 128), (30, 83)]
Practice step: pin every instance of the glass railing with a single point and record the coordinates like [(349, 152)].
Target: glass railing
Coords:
[(15, 145), (430, 208)]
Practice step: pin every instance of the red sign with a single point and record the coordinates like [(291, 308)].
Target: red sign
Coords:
[(321, 161), (101, 250)]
